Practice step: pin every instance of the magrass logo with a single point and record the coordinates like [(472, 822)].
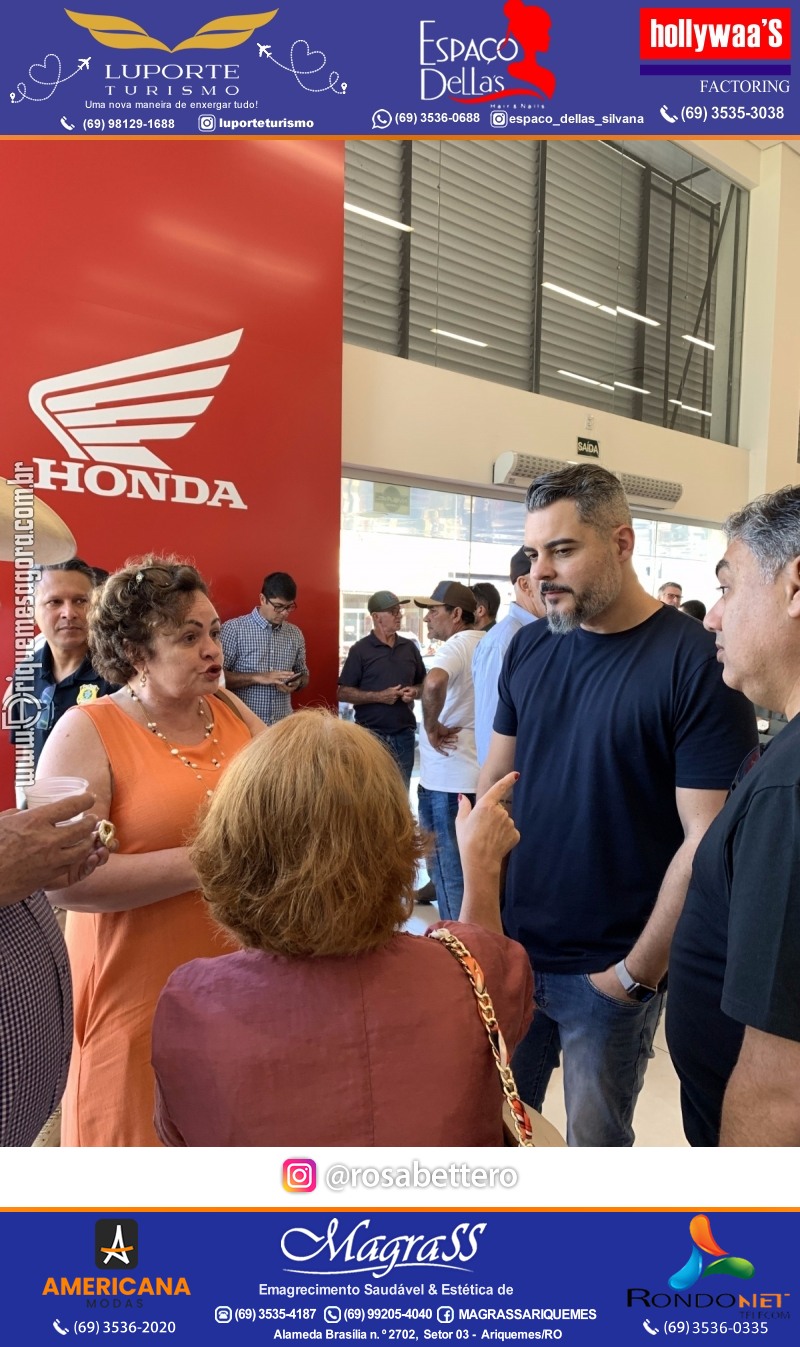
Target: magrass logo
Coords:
[(112, 31), (116, 1243), (695, 1267)]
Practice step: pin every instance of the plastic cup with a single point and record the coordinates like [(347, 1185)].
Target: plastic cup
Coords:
[(52, 788)]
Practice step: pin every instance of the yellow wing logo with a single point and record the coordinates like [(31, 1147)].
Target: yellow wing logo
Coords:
[(112, 31)]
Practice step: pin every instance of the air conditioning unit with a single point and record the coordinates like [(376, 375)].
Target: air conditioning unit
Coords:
[(519, 470), (652, 492)]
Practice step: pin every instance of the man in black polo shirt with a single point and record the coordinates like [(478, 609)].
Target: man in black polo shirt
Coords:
[(382, 676), (59, 674), (733, 1018)]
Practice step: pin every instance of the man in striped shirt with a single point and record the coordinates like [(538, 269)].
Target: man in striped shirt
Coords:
[(264, 655)]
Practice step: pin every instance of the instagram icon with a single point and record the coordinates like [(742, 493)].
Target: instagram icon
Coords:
[(299, 1176)]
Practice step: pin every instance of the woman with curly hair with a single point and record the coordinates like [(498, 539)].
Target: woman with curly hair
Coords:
[(332, 1026), (153, 754)]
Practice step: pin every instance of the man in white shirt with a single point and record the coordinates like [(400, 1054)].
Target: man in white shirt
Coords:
[(448, 763), (489, 655)]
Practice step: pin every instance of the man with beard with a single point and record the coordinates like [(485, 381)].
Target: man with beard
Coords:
[(626, 739)]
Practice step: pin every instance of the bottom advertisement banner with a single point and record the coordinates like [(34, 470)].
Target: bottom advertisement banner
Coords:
[(389, 1277)]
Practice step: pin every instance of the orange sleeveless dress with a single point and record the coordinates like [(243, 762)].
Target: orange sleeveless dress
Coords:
[(121, 960)]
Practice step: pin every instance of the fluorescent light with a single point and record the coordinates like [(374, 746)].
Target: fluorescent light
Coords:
[(382, 219), (632, 388), (568, 374), (640, 317), (456, 336), (604, 308), (697, 410), (559, 289), (709, 345)]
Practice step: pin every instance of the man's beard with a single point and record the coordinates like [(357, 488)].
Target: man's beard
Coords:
[(586, 606)]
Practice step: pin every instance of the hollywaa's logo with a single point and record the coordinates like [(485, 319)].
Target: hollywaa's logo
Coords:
[(103, 416), (703, 1242), (462, 67), (112, 31)]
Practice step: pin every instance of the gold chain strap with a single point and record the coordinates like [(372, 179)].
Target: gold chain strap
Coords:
[(473, 970)]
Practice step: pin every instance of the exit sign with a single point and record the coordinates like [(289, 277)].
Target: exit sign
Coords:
[(588, 448)]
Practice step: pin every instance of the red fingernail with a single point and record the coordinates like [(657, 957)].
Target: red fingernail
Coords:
[(460, 797)]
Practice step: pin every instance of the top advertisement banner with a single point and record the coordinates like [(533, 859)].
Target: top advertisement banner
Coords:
[(431, 68)]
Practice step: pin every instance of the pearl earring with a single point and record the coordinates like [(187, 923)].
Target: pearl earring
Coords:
[(143, 679)]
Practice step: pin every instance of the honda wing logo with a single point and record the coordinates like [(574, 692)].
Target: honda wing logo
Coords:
[(107, 414)]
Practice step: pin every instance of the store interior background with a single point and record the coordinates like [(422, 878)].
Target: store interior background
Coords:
[(418, 434)]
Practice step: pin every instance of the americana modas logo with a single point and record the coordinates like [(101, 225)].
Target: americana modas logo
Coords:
[(107, 416), (112, 31), (116, 1243), (697, 1266)]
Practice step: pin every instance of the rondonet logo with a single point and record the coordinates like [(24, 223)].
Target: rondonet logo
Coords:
[(104, 418)]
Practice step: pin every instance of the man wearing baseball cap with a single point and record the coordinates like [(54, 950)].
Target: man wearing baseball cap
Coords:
[(448, 763), (382, 676)]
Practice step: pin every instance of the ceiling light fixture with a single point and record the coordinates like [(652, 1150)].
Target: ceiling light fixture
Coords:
[(640, 317), (382, 219), (605, 308), (697, 410), (632, 388), (596, 383), (456, 336), (570, 294), (709, 345)]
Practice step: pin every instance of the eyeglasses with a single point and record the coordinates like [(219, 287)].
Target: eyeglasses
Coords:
[(280, 607), (393, 612), (48, 710)]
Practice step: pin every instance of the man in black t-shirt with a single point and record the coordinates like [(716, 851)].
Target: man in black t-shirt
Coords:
[(625, 737), (733, 1023), (382, 677)]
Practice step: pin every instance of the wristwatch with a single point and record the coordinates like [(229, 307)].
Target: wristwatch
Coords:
[(637, 991)]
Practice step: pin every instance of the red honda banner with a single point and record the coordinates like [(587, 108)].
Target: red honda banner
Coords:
[(171, 369)]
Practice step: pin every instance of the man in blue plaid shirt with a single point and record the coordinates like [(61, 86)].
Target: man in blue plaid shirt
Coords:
[(264, 655)]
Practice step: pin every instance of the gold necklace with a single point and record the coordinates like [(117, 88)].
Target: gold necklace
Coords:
[(175, 752)]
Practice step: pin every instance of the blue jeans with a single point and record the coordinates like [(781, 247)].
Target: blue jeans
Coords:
[(606, 1045), (437, 815), (401, 746)]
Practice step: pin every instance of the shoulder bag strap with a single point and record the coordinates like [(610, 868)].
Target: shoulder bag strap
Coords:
[(226, 701), (473, 970)]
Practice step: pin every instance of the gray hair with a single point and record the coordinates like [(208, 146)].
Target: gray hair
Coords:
[(599, 496), (770, 527)]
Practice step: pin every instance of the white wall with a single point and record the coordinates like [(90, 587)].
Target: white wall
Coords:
[(404, 416)]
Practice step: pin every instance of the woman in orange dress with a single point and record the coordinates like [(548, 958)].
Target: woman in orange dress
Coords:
[(152, 753)]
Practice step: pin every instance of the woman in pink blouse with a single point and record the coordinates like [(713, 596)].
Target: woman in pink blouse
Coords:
[(332, 1026)]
